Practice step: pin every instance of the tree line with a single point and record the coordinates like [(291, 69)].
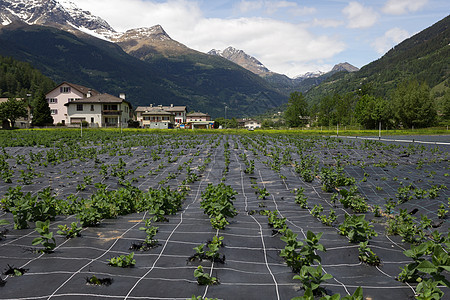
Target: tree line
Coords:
[(410, 105), (25, 89)]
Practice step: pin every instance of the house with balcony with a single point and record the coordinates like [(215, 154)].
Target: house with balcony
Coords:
[(157, 118), (178, 112), (249, 124), (198, 120), (102, 110), (64, 93)]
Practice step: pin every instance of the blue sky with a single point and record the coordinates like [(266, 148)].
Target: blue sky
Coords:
[(289, 37)]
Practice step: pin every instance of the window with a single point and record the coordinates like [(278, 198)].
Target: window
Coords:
[(165, 118), (92, 120), (92, 107), (54, 111), (146, 118), (74, 99), (110, 107), (52, 100), (64, 89), (79, 107)]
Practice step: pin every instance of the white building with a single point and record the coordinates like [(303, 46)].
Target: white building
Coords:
[(101, 110), (178, 112), (64, 93)]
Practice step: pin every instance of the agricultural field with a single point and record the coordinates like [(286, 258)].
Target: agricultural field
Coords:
[(239, 215)]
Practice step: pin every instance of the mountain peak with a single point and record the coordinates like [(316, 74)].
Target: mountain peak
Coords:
[(154, 33), (63, 14), (243, 59), (344, 67)]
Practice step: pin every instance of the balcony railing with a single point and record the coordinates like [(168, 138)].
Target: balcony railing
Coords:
[(112, 112)]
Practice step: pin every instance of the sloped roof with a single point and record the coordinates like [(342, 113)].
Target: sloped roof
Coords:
[(166, 108), (197, 114), (157, 111), (101, 98), (80, 88)]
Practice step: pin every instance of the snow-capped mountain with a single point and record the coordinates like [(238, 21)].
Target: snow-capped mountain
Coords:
[(62, 14), (309, 75), (243, 59)]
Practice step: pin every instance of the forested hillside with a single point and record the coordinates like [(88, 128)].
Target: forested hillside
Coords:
[(17, 79), (421, 62)]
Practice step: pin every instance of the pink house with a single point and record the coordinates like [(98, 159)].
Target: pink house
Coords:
[(198, 120), (197, 117), (64, 93)]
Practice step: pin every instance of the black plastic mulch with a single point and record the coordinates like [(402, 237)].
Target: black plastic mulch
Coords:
[(253, 268)]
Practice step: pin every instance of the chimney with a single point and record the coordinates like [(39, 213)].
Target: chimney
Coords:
[(122, 96), (89, 94), (171, 105), (151, 105)]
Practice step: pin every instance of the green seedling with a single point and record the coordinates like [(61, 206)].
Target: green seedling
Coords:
[(46, 239)]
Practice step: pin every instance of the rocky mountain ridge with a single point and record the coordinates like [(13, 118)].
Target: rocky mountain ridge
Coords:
[(62, 14)]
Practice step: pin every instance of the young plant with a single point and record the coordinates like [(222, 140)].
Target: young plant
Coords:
[(94, 280), (150, 231), (204, 278), (442, 212), (356, 228), (122, 261), (70, 232), (367, 256), (46, 239), (300, 198), (312, 278)]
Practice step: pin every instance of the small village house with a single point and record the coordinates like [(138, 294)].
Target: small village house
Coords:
[(249, 124), (101, 110), (157, 118), (64, 93), (144, 116), (198, 120)]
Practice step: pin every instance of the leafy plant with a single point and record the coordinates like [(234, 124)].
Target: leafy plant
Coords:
[(150, 231), (297, 254), (312, 278), (300, 198), (204, 278), (122, 261), (70, 232), (367, 256), (94, 280), (351, 199), (356, 228), (46, 239), (442, 212)]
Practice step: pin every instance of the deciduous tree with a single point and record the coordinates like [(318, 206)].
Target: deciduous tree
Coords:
[(12, 109), (413, 105)]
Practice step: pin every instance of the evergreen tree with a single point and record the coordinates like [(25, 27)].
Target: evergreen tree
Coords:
[(413, 105), (41, 112), (12, 110), (296, 113)]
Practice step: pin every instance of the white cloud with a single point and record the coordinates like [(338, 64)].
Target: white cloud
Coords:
[(246, 6), (327, 23), (359, 16), (400, 7), (123, 15), (391, 38), (272, 7), (283, 47)]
